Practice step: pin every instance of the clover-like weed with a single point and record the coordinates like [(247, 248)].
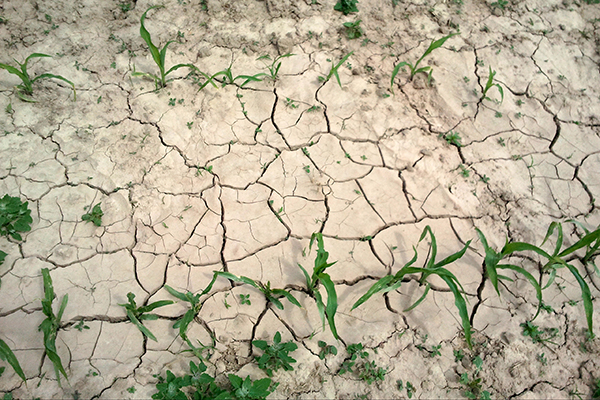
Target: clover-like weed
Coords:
[(393, 282), (414, 69), (270, 294), (159, 56), (490, 84), (353, 29), (51, 324), (94, 216), (326, 349), (346, 6), (320, 276), (275, 356), (273, 68), (15, 217), (138, 314), (334, 70), (7, 355), (25, 88)]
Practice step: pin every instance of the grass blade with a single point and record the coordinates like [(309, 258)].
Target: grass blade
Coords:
[(156, 56), (50, 76), (374, 289), (7, 355), (145, 331), (396, 70), (416, 303), (531, 280), (492, 258), (587, 297), (434, 45), (461, 304), (521, 246), (288, 296), (583, 242), (181, 296), (331, 308), (241, 279)]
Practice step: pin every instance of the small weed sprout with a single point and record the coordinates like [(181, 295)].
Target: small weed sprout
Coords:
[(229, 79), (473, 386), (159, 56), (489, 84), (15, 217), (25, 89), (538, 335), (452, 138), (326, 349), (367, 371), (320, 276), (51, 324), (346, 6), (138, 314), (353, 29), (275, 356), (272, 295), (414, 68), (334, 70), (94, 216)]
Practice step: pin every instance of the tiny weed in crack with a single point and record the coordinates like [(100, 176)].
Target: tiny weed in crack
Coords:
[(138, 314), (94, 216), (275, 356)]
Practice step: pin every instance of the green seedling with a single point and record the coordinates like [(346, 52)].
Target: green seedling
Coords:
[(356, 352), (538, 335), (201, 386), (138, 314), (392, 282), (326, 349), (555, 261), (229, 79), (410, 389), (346, 6), (320, 276), (414, 69), (159, 56), (353, 29), (473, 386), (25, 89), (272, 295), (370, 372), (15, 217), (94, 216), (51, 324), (334, 70), (452, 138), (490, 84), (275, 356), (500, 4), (245, 299), (273, 68), (7, 355), (367, 371)]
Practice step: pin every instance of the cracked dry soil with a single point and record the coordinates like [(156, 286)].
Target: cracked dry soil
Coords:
[(238, 178)]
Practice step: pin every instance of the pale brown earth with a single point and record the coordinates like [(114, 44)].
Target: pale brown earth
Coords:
[(234, 179)]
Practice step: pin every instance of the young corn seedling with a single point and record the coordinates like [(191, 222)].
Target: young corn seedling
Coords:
[(229, 79), (138, 314), (15, 217), (50, 325), (270, 294), (273, 68), (556, 260), (7, 355), (320, 276), (334, 70), (159, 56), (275, 356), (490, 84), (393, 282), (414, 69), (24, 90)]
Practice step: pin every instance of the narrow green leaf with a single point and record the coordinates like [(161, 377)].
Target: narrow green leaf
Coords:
[(331, 302), (241, 279), (181, 296), (50, 76), (492, 258), (7, 355), (416, 303), (155, 305), (288, 296), (531, 279), (434, 45), (395, 72), (460, 303), (374, 289), (587, 297), (583, 242), (521, 246), (146, 36), (145, 331)]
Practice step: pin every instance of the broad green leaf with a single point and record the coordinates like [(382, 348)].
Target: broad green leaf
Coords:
[(155, 305), (181, 296), (7, 355)]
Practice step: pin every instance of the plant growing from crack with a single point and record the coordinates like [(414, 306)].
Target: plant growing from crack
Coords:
[(319, 276), (94, 215), (272, 295), (159, 56), (275, 356), (138, 314), (538, 335), (334, 70), (51, 324), (473, 387), (15, 217), (490, 84), (273, 68), (229, 79), (25, 89), (393, 282), (414, 69), (367, 370)]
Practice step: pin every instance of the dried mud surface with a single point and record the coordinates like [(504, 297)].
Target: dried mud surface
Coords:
[(238, 178)]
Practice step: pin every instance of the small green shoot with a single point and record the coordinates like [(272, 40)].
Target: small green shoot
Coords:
[(138, 314), (452, 138), (346, 6), (245, 299), (320, 276), (326, 349), (159, 56), (273, 68), (334, 70), (538, 335), (24, 90), (356, 352), (490, 84), (410, 389), (353, 29), (272, 295), (229, 79), (94, 216), (15, 217), (414, 69), (473, 386), (51, 324), (275, 356)]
